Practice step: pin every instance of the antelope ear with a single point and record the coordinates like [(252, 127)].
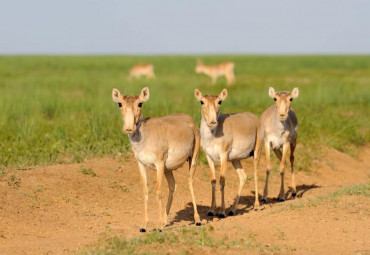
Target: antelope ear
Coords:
[(198, 94), (295, 92), (223, 95), (116, 95), (144, 95), (272, 92)]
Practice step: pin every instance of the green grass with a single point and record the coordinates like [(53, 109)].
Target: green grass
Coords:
[(176, 237), (57, 109), (87, 171), (354, 190), (123, 188), (2, 171), (13, 180)]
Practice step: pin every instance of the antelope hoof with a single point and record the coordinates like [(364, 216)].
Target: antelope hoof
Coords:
[(280, 199), (198, 224), (263, 200), (142, 230), (294, 194), (231, 213), (159, 229), (210, 214), (222, 215), (258, 208)]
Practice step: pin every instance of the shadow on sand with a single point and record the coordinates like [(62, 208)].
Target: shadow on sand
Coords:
[(246, 204)]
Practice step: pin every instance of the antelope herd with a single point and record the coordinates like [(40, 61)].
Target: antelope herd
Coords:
[(165, 143), (214, 71)]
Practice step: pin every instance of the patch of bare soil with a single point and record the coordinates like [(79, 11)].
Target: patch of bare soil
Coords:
[(62, 208)]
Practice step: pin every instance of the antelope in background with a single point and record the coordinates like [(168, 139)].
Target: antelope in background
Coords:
[(162, 144), (279, 126), (214, 71), (139, 70), (228, 137)]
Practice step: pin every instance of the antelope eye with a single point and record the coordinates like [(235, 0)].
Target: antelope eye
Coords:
[(275, 98), (201, 102), (140, 104), (119, 105), (291, 99), (219, 102)]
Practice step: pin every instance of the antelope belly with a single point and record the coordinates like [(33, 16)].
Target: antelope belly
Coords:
[(177, 157), (237, 153), (147, 159)]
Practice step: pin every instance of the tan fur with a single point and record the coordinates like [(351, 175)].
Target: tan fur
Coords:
[(228, 137), (214, 71), (279, 126), (163, 144), (139, 70)]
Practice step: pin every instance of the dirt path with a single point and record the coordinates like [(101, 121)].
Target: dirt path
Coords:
[(57, 209)]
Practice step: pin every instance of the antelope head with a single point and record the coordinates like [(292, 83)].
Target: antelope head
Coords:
[(130, 107), (283, 101), (211, 106)]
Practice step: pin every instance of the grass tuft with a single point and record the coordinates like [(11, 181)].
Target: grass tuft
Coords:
[(123, 188), (87, 171), (13, 181), (2, 172)]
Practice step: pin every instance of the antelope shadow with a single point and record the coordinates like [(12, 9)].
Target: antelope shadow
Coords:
[(246, 204)]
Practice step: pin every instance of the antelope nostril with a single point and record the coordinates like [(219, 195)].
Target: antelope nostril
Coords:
[(213, 122)]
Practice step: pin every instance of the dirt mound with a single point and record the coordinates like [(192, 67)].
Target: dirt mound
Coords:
[(58, 209)]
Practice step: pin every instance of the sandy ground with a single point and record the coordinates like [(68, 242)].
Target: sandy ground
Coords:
[(58, 210)]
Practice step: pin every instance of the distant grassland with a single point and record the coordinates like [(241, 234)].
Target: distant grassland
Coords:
[(59, 108)]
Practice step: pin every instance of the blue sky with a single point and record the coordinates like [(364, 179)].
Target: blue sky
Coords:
[(185, 27)]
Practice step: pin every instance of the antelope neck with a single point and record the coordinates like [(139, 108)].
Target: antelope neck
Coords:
[(204, 126), (137, 137)]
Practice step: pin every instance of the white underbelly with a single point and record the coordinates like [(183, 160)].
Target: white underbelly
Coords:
[(234, 154), (276, 142), (175, 158), (213, 152), (239, 153), (147, 159)]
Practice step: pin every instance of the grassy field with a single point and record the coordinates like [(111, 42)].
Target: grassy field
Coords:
[(59, 109)]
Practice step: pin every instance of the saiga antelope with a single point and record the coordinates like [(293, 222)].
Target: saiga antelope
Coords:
[(217, 70), (162, 144), (228, 137), (279, 126), (139, 70)]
